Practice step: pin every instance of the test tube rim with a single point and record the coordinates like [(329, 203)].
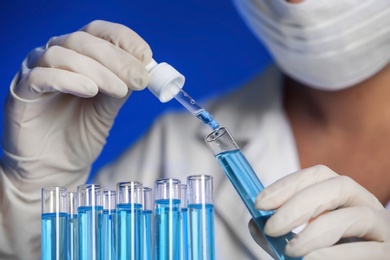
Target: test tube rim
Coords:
[(204, 197), (136, 185), (167, 182), (216, 134), (61, 190), (82, 190)]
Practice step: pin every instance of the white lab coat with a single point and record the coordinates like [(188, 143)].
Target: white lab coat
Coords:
[(174, 147)]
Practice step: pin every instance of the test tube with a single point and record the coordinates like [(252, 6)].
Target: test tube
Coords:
[(167, 219), (54, 221), (246, 183), (201, 217), (128, 230), (108, 225), (73, 244), (184, 244), (147, 209), (90, 220)]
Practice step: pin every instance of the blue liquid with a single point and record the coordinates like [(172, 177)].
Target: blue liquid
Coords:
[(128, 231), (167, 229), (189, 103), (73, 243), (248, 186), (147, 235), (184, 240), (204, 116), (201, 220), (54, 244), (108, 235), (90, 221)]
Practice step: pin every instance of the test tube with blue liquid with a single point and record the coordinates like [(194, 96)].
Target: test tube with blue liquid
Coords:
[(89, 221), (246, 183), (54, 223), (167, 219), (201, 217), (73, 239), (184, 244), (108, 225), (166, 83), (147, 215), (128, 224)]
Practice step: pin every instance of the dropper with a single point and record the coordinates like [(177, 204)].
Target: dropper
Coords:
[(166, 83)]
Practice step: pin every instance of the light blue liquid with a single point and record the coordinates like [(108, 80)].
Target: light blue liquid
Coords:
[(108, 235), (204, 116), (73, 243), (128, 231), (201, 220), (90, 222), (54, 244), (184, 240), (248, 186), (147, 246), (167, 229)]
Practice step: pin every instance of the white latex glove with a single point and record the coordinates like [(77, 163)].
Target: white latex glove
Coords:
[(334, 207), (61, 106), (64, 99)]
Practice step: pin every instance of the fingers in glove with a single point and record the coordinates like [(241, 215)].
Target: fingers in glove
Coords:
[(127, 67), (42, 80), (276, 194), (328, 229), (356, 251), (121, 36), (316, 199), (66, 59)]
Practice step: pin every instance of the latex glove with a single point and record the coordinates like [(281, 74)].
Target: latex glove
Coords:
[(61, 106), (64, 100), (334, 208)]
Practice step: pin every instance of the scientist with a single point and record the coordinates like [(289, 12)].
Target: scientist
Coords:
[(325, 102)]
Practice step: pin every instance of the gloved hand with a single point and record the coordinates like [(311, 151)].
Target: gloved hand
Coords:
[(64, 100), (337, 212), (61, 106)]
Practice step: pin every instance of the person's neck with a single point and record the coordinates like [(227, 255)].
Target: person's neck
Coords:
[(355, 109)]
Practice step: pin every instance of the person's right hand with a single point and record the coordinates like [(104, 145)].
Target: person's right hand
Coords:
[(63, 102)]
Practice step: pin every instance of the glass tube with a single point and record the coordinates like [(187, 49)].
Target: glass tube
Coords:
[(167, 219), (184, 244), (201, 217), (54, 220), (108, 225), (202, 114), (90, 220), (73, 244), (147, 210), (128, 231), (246, 183)]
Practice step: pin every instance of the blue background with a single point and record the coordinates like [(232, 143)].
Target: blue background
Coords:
[(205, 40)]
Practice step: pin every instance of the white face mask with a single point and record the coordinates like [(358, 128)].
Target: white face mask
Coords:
[(326, 44)]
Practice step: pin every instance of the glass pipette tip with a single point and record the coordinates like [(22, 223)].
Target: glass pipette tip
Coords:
[(202, 114)]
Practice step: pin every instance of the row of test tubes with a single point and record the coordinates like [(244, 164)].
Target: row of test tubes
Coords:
[(177, 223)]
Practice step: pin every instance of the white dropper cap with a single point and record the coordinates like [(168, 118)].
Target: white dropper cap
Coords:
[(165, 81)]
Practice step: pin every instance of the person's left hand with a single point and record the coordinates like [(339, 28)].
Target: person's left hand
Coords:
[(343, 220)]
